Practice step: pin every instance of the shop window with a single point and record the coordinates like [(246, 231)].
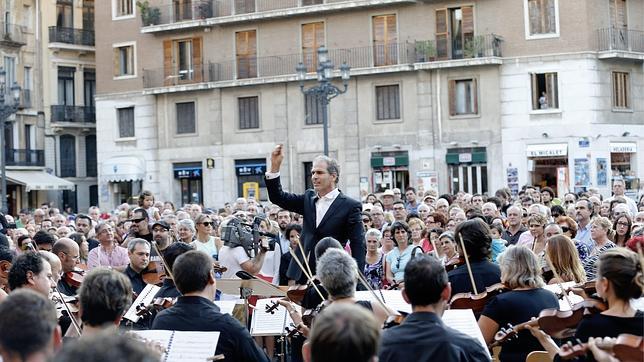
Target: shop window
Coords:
[(621, 90), (388, 102), (542, 17), (545, 91), (248, 112), (126, 122), (463, 99), (186, 118)]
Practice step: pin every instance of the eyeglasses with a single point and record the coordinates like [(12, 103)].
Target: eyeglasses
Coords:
[(77, 257), (137, 220), (622, 223), (565, 229), (207, 223), (366, 220)]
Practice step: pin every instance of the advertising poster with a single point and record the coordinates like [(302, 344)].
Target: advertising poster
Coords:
[(513, 180), (602, 172), (582, 172)]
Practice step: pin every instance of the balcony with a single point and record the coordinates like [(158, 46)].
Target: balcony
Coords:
[(620, 43), (71, 36), (183, 14), (80, 115), (23, 157), (12, 35), (382, 58), (25, 98)]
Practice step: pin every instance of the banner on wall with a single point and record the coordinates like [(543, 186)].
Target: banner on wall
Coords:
[(582, 174), (513, 180), (602, 172), (426, 180)]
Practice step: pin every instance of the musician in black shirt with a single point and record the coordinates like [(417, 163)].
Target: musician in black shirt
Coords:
[(168, 289), (139, 252), (194, 311), (619, 279), (423, 336), (477, 240), (104, 297)]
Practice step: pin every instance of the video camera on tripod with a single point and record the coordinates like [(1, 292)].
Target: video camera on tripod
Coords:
[(237, 233)]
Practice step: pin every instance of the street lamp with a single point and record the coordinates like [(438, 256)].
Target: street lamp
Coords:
[(7, 108), (325, 90)]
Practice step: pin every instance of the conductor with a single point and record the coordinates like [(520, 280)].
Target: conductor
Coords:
[(326, 211)]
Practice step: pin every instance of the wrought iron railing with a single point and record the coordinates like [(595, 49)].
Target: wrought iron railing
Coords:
[(59, 34), (623, 39), (24, 157), (75, 114)]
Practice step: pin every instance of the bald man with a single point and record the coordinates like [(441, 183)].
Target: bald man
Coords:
[(69, 254)]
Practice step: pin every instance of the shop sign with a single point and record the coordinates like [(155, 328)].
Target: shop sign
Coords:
[(250, 170), (187, 172), (547, 150), (464, 157), (623, 147), (389, 161)]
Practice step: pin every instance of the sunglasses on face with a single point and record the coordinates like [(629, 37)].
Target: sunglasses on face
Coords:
[(137, 220), (207, 223)]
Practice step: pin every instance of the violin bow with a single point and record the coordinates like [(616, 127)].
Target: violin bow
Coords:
[(467, 263), (362, 279), (69, 313), (554, 271), (434, 246), (305, 258), (165, 265), (306, 274)]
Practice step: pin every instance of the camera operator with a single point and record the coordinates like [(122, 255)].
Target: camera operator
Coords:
[(242, 249)]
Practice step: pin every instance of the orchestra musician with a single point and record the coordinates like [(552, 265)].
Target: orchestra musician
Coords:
[(423, 336), (29, 329), (138, 250), (68, 252), (194, 310), (54, 262), (344, 332), (565, 259), (172, 252), (475, 236), (521, 273), (108, 346), (30, 270), (6, 259), (104, 297), (619, 279)]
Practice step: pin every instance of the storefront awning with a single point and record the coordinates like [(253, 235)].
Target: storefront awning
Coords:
[(623, 147), (548, 150), (39, 180), (123, 168)]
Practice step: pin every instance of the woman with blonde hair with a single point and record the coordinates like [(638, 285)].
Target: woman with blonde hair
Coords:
[(565, 259), (600, 231)]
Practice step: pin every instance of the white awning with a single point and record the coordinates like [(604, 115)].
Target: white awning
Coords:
[(39, 180), (123, 168), (623, 147), (548, 150)]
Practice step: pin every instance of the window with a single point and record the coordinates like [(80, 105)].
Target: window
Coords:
[(621, 90), (312, 39), (182, 9), (66, 86), (385, 38), (10, 68), (246, 48), (313, 109), (64, 14), (463, 97), (182, 61), (124, 60), (124, 8), (27, 78), (388, 102), (90, 156), (617, 10), (244, 6), (545, 91), (125, 117), (186, 118), (88, 14), (308, 167), (89, 87), (541, 18), (455, 33), (67, 156), (248, 112)]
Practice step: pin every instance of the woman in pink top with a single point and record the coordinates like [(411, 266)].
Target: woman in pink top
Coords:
[(107, 254)]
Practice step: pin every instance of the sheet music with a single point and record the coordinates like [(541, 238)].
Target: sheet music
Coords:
[(226, 306), (638, 303), (392, 298), (563, 304), (463, 321), (144, 299), (267, 324), (183, 346)]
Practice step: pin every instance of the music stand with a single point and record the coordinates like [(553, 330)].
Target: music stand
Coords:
[(247, 288)]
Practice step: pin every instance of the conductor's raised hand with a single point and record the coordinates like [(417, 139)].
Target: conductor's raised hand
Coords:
[(277, 156)]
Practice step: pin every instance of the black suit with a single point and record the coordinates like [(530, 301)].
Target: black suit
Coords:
[(343, 221)]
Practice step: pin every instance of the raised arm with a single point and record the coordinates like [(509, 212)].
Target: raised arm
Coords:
[(288, 201)]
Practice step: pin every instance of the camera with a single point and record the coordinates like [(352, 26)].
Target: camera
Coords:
[(237, 233)]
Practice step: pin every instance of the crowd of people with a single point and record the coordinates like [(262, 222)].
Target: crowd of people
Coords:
[(430, 246)]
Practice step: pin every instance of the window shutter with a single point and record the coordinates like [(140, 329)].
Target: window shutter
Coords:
[(451, 86), (197, 63), (551, 19), (468, 22), (312, 39), (475, 95), (442, 34), (535, 91), (551, 90), (534, 11), (379, 23), (168, 64), (391, 39), (117, 62)]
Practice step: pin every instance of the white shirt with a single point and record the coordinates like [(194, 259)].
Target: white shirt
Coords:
[(321, 205), (232, 259)]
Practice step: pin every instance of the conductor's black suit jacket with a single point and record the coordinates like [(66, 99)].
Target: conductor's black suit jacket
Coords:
[(343, 221)]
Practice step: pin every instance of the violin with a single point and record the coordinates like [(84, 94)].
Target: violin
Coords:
[(627, 348), (476, 302), (554, 322), (152, 275), (74, 277), (296, 293), (218, 268), (157, 304), (394, 286)]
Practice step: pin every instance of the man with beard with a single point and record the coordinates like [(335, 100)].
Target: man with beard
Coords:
[(140, 226), (84, 226), (283, 220), (160, 236)]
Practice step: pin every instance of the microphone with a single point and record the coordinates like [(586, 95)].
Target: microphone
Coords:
[(244, 275)]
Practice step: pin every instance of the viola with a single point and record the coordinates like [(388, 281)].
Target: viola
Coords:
[(152, 275), (476, 302), (394, 286), (627, 348), (296, 293), (74, 277), (554, 322)]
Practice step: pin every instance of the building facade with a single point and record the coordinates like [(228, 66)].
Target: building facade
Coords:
[(193, 95)]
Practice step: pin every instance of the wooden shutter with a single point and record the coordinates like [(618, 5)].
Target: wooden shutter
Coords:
[(246, 54), (117, 62), (535, 91), (451, 89), (550, 17), (391, 40), (442, 34), (385, 36), (312, 39), (378, 40), (197, 62), (475, 95), (533, 13), (168, 63), (551, 90), (617, 13), (467, 23)]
